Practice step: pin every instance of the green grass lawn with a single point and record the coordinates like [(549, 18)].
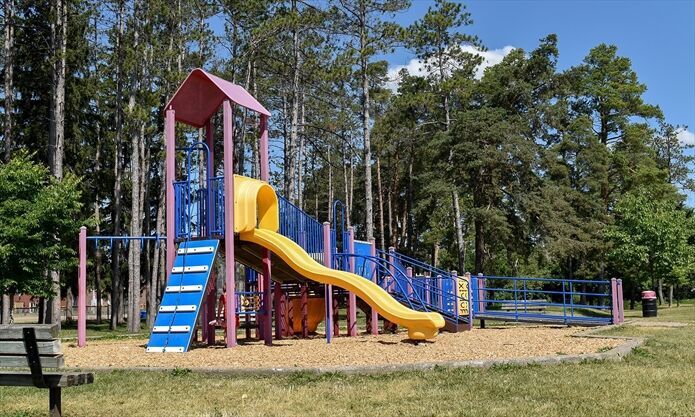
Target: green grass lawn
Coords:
[(658, 379)]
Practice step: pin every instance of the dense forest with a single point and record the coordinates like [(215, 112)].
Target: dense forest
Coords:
[(513, 169)]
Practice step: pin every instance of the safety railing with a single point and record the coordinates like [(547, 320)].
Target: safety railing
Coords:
[(568, 301), (300, 227), (442, 291)]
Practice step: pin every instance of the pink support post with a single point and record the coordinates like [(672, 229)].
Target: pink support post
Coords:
[(82, 290), (210, 307), (304, 292), (352, 300), (481, 298), (374, 328), (328, 288), (170, 137), (265, 176), (621, 300), (211, 298), (615, 307), (230, 306), (277, 302)]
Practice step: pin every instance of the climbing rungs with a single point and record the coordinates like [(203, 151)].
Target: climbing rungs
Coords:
[(174, 349), (187, 269), (184, 288), (195, 251), (171, 329), (171, 309)]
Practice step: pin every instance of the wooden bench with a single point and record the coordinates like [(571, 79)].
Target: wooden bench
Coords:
[(37, 347)]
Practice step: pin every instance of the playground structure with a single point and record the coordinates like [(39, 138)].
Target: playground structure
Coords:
[(298, 270)]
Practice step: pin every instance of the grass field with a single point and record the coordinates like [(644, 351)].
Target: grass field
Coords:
[(658, 379)]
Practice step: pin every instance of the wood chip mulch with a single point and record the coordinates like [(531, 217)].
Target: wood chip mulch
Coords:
[(385, 349)]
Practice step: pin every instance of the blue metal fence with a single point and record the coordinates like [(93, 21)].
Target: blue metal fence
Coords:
[(303, 229), (568, 301)]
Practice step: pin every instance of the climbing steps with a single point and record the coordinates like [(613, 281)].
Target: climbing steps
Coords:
[(178, 312)]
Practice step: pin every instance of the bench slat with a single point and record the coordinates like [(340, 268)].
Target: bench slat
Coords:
[(43, 331), (16, 361), (16, 347), (23, 379)]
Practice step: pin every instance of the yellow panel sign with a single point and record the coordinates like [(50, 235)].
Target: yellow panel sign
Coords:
[(462, 288)]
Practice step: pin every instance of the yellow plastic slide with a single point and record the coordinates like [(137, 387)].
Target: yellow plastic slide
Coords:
[(256, 220), (420, 325)]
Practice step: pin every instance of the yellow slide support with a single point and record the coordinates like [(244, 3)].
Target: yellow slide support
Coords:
[(257, 221)]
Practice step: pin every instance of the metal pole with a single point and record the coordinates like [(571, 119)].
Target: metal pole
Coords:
[(267, 278), (82, 290), (615, 307), (170, 137), (230, 298), (352, 300), (328, 288), (374, 328)]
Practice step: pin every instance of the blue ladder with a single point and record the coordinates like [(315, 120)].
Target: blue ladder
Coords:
[(178, 312)]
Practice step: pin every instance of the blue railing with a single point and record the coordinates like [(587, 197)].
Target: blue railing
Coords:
[(442, 291), (569, 301), (303, 229), (387, 276)]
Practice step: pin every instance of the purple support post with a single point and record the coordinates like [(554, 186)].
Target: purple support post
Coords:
[(441, 289), (481, 298), (390, 286), (467, 277), (352, 300), (374, 328), (210, 308), (409, 284), (615, 307), (265, 176), (170, 137), (82, 290), (230, 306), (304, 292), (209, 301), (328, 288), (277, 302), (621, 300)]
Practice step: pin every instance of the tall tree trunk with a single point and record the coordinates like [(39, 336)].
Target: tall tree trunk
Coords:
[(660, 288), (56, 132), (382, 239), (116, 282), (368, 199), (458, 227), (302, 157), (9, 78), (135, 248), (291, 161), (330, 185)]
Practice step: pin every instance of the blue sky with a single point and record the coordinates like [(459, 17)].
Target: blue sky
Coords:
[(657, 36)]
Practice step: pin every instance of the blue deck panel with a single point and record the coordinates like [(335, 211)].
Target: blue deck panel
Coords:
[(180, 341)]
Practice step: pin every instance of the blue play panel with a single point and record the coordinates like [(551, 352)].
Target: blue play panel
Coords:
[(178, 313)]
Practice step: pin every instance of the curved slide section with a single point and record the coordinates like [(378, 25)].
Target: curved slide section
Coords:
[(420, 325)]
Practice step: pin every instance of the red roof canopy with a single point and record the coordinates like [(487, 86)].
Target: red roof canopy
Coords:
[(202, 93)]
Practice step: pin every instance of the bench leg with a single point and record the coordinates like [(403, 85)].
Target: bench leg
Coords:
[(54, 402)]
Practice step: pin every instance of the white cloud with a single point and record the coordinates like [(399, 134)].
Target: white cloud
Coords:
[(685, 137), (417, 67)]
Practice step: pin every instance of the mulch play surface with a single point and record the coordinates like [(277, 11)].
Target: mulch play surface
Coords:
[(385, 349)]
